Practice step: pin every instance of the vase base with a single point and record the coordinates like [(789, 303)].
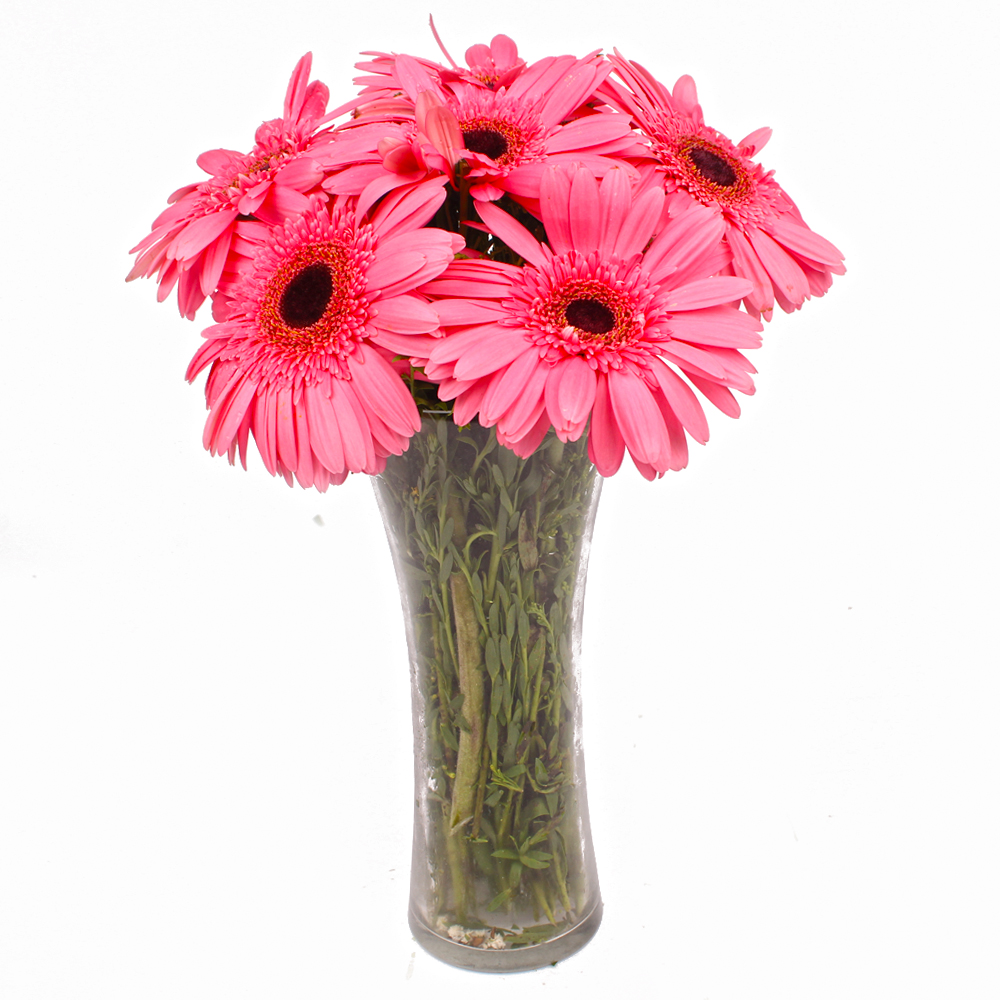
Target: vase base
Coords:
[(490, 958)]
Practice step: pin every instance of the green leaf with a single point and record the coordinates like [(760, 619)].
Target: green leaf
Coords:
[(522, 625), (503, 781), (506, 655), (538, 613), (541, 774), (498, 900), (515, 874), (534, 810), (491, 736), (508, 463), (532, 935), (492, 653), (496, 697), (536, 859), (446, 565), (537, 655), (505, 501), (506, 854), (503, 522), (447, 532), (532, 482)]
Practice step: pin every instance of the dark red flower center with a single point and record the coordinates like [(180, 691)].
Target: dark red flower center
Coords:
[(712, 167), (487, 141), (306, 296), (590, 316)]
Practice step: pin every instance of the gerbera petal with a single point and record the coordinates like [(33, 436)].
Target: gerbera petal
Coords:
[(511, 232), (708, 292), (639, 418), (486, 354), (589, 131), (584, 212), (214, 262), (213, 161), (464, 312), (678, 439), (716, 394), (285, 417), (359, 450), (688, 356), (407, 345), (747, 264), (189, 293), (411, 208), (302, 174), (720, 326), (680, 247), (786, 276), (569, 393), (405, 314), (512, 428), (803, 241), (685, 95), (438, 122), (455, 345), (640, 224), (554, 202), (227, 415), (752, 144), (324, 428), (513, 384), (682, 401), (384, 391), (467, 403), (281, 203), (264, 430), (199, 233), (605, 444), (413, 78), (527, 444), (616, 201), (296, 92)]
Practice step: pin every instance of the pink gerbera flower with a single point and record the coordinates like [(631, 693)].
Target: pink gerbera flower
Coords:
[(302, 361), (191, 240), (596, 328), (510, 134), (492, 66), (770, 243)]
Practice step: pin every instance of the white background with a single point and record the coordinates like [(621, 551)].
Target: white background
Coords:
[(790, 694)]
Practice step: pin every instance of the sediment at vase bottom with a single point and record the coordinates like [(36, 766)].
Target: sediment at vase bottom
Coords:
[(522, 958)]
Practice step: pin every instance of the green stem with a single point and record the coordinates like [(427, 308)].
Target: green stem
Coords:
[(457, 868), (542, 901), (537, 693), (491, 575), (470, 684)]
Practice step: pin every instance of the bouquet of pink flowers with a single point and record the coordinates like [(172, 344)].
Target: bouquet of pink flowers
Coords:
[(563, 244), (563, 250)]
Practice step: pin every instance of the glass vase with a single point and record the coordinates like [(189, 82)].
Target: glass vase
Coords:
[(490, 552)]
